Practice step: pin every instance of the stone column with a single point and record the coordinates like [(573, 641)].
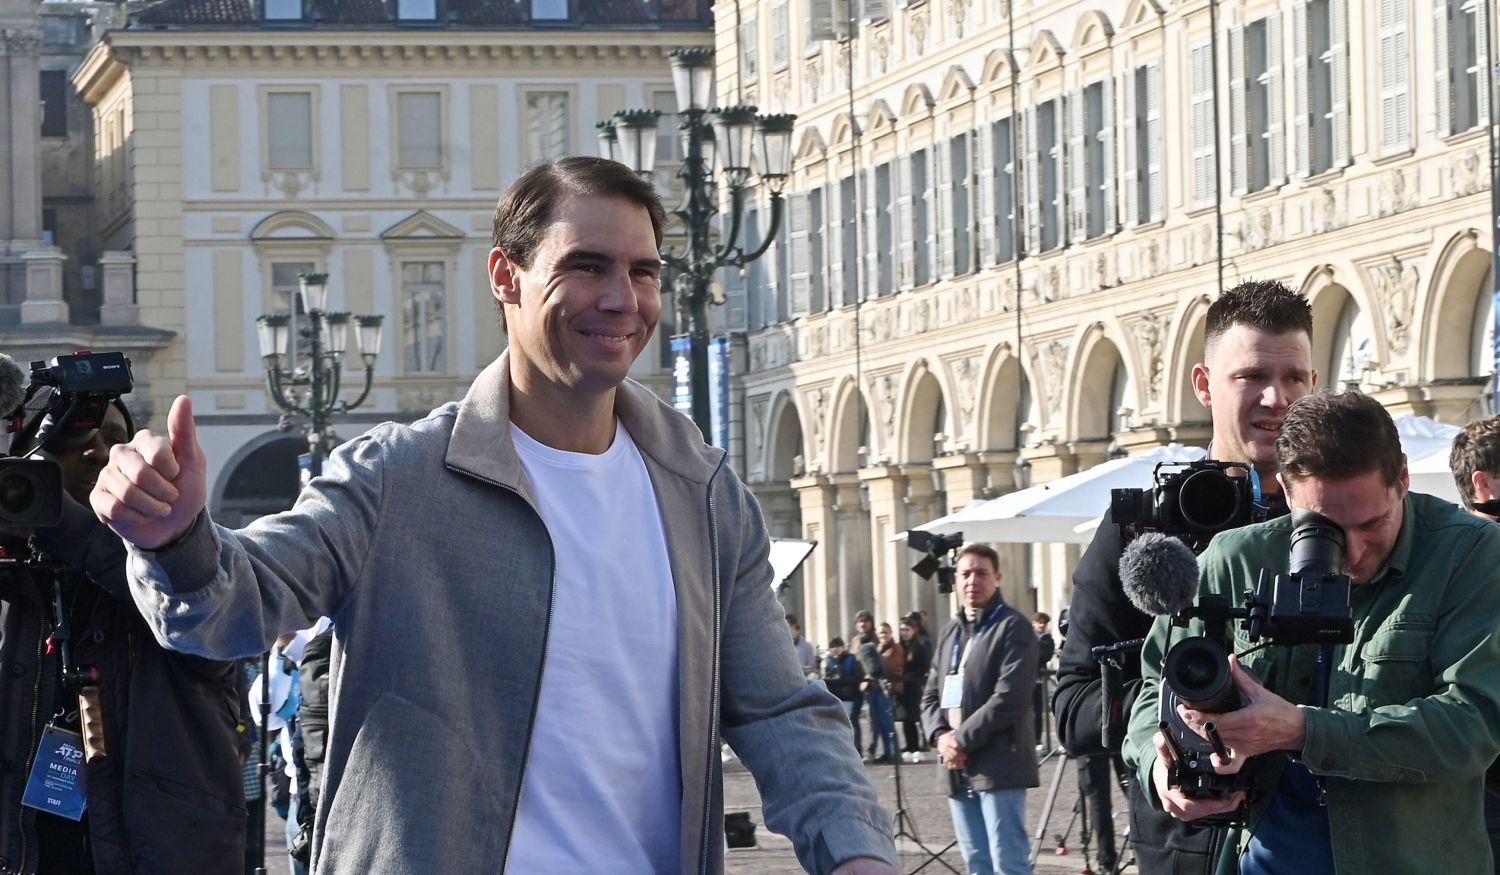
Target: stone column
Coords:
[(855, 590), (820, 571), (887, 489), (20, 139), (117, 273), (44, 286), (963, 479)]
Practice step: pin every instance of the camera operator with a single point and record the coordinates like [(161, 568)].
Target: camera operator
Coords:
[(1475, 463), (165, 794), (1257, 360), (1369, 755)]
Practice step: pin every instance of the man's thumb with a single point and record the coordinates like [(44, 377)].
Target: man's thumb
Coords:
[(181, 430)]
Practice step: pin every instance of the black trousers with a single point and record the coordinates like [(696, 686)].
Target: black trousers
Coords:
[(1164, 846), (1096, 787)]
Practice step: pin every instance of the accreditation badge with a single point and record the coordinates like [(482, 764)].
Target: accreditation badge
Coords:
[(56, 784), (953, 691)]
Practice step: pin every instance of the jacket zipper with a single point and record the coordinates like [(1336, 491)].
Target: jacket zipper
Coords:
[(536, 698), (713, 702)]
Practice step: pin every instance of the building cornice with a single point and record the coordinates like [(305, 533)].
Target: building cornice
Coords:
[(447, 50)]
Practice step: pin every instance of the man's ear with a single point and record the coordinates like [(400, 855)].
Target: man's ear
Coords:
[(1485, 486), (1286, 488), (505, 278), (1200, 384)]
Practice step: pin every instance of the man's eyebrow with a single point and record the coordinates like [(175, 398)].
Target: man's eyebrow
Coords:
[(590, 256)]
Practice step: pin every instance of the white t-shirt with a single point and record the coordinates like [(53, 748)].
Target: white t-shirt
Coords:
[(603, 788)]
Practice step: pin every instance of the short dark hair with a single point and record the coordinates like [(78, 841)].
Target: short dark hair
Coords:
[(984, 550), (529, 206), (864, 615), (1265, 305), (835, 642), (792, 620), (1475, 448), (1041, 617), (1338, 435)]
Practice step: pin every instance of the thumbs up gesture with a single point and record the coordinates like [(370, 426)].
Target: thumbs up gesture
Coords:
[(154, 487)]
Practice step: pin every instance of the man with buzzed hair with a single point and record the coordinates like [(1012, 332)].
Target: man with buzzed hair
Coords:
[(1257, 360), (1475, 463)]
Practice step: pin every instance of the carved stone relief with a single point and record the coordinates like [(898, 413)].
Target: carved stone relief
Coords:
[(918, 31), (812, 77), (883, 51), (1395, 193), (883, 390), (755, 433), (1207, 249), (959, 11), (966, 379), (1148, 330), (1396, 283), (817, 408), (968, 304), (1048, 360), (1465, 173), (1326, 214), (921, 317)]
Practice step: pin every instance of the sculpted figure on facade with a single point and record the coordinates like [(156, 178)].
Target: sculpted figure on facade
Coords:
[(965, 380), (755, 435), (1148, 330), (1048, 361), (1397, 282), (1464, 173), (817, 407)]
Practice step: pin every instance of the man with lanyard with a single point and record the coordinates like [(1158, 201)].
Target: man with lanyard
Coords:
[(1475, 463), (1365, 757), (1257, 360), (977, 712)]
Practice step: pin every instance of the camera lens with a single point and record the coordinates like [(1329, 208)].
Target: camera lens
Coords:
[(17, 493), (1197, 670), (1208, 501)]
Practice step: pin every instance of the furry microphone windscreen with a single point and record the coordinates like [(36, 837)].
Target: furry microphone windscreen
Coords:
[(1159, 574), (12, 386)]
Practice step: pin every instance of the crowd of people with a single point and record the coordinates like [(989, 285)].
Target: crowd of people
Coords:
[(564, 504)]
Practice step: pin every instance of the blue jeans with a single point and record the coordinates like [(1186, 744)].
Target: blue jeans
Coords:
[(882, 722), (851, 710), (991, 827)]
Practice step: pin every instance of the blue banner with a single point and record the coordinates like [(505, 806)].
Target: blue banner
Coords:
[(682, 375), (718, 389)]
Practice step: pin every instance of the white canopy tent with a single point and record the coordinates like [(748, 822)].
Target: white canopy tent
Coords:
[(1068, 510)]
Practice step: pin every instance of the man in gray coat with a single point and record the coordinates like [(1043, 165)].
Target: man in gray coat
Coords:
[(977, 712), (509, 574)]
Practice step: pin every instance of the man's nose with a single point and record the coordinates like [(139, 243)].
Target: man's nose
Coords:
[(619, 294)]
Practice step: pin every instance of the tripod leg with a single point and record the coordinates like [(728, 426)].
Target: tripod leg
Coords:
[(1046, 815)]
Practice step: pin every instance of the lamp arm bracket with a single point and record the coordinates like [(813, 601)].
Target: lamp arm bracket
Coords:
[(776, 210)]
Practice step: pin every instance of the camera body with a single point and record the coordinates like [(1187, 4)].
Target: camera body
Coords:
[(937, 548), (83, 386), (1307, 605), (1191, 501)]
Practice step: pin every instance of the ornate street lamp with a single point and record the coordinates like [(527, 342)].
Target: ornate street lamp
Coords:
[(310, 391), (726, 138)]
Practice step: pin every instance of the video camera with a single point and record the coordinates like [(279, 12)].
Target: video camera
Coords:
[(1192, 501), (83, 386), (937, 561), (1307, 605)]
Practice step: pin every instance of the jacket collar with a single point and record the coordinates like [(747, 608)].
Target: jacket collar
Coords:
[(481, 445)]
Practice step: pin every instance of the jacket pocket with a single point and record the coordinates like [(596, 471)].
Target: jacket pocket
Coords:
[(410, 798), (1395, 662), (179, 829)]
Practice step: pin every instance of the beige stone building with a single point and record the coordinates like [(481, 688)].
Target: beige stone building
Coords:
[(1007, 220), (239, 144)]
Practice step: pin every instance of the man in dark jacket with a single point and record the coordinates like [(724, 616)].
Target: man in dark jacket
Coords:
[(1475, 463), (164, 790), (1257, 361), (977, 711)]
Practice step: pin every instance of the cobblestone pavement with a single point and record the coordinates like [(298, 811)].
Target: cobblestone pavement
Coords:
[(925, 806), (927, 810)]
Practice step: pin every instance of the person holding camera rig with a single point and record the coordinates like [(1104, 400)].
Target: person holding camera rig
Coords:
[(162, 791), (1365, 756), (558, 552), (1475, 463), (1257, 360)]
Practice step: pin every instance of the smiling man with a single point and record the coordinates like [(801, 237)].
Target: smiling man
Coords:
[(550, 598), (976, 710), (1371, 754)]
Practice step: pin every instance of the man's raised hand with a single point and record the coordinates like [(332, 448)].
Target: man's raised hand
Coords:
[(154, 487)]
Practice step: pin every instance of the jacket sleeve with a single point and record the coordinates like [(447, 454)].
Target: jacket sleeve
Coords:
[(1450, 734), (791, 734), (227, 594), (82, 543), (1015, 652), (934, 718), (1099, 614)]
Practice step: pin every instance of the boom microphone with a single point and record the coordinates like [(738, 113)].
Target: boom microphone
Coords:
[(1159, 574), (12, 383)]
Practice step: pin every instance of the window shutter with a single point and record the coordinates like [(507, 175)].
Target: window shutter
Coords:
[(1443, 95), (961, 157), (1484, 77), (797, 228), (1205, 182), (1302, 123), (1338, 78), (835, 245), (905, 251), (1057, 209), (827, 20), (1031, 149), (1006, 166), (1239, 137), (1134, 165), (1275, 101), (942, 179), (875, 10), (987, 171), (870, 270), (1155, 179), (1111, 222), (1075, 164), (1395, 77)]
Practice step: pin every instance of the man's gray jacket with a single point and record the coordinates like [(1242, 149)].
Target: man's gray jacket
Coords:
[(423, 544)]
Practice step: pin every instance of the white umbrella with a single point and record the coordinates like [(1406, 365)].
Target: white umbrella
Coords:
[(1064, 511), (1426, 444)]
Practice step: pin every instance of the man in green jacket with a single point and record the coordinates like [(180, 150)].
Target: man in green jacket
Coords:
[(1383, 770)]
